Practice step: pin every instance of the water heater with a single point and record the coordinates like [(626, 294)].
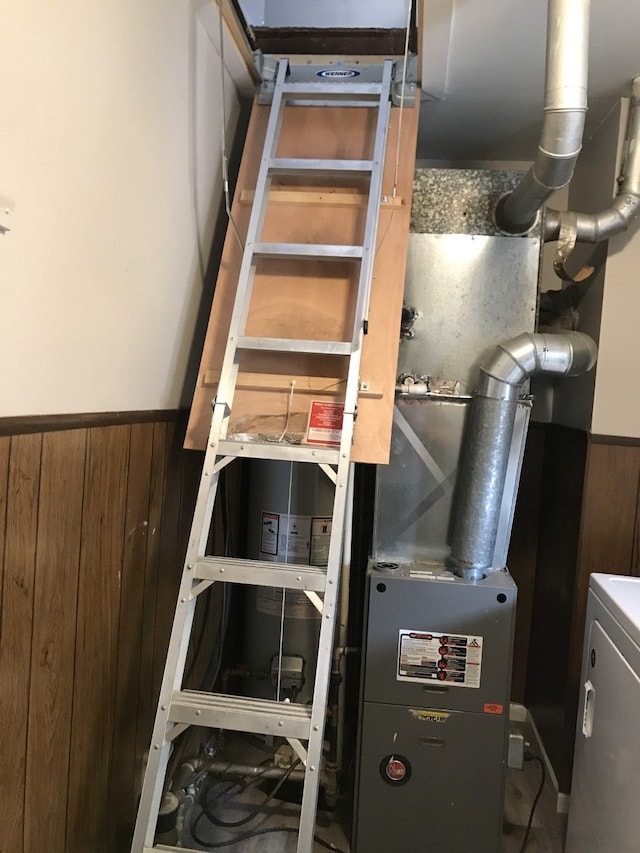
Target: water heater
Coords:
[(289, 521)]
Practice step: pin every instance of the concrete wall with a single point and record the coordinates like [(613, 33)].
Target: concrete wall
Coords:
[(112, 117)]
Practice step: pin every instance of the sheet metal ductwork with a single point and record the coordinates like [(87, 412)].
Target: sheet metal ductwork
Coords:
[(484, 464), (564, 116), (594, 227)]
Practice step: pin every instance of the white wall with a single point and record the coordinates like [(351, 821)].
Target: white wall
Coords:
[(330, 13), (591, 190), (110, 146), (616, 408)]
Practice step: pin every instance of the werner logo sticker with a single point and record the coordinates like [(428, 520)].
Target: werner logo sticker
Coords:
[(337, 73)]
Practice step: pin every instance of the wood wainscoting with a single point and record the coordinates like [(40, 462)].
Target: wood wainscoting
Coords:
[(93, 526), (589, 522), (94, 519)]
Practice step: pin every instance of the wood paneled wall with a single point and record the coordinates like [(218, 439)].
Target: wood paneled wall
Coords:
[(589, 522), (523, 552), (93, 527), (93, 524)]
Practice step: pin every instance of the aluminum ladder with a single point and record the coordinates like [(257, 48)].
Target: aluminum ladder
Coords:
[(178, 709)]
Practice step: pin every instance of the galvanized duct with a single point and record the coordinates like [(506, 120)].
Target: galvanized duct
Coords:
[(594, 227), (484, 465), (564, 115)]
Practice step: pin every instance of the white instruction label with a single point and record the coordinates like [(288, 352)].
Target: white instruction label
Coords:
[(269, 533), (287, 538), (320, 538), (292, 539), (296, 604), (452, 659)]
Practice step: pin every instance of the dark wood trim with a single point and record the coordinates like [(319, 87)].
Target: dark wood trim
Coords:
[(29, 424), (619, 440), (330, 41), (547, 694)]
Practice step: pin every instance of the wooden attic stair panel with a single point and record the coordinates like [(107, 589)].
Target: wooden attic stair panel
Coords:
[(304, 299)]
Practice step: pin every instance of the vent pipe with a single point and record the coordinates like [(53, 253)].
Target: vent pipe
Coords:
[(564, 116), (493, 411), (594, 227)]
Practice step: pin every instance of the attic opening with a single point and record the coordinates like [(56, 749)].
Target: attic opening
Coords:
[(351, 28)]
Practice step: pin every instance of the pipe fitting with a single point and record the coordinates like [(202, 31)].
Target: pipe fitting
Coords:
[(595, 227), (493, 410)]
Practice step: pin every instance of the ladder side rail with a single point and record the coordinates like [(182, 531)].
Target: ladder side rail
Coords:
[(155, 772), (334, 562), (325, 645), (373, 205), (230, 363), (371, 233), (181, 631)]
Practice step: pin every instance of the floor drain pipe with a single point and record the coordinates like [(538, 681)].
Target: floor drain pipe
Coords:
[(486, 453), (565, 109)]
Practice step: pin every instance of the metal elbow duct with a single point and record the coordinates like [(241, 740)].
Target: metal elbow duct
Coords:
[(594, 227), (493, 411), (564, 116)]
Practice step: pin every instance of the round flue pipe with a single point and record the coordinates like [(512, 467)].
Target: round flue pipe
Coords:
[(564, 116), (594, 227), (486, 453)]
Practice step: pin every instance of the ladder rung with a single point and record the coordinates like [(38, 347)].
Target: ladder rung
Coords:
[(284, 452), (240, 714), (317, 102), (307, 251), (261, 573), (294, 345), (341, 89), (296, 166)]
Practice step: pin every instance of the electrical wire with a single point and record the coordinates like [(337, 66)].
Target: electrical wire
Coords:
[(284, 591), (215, 845), (223, 129), (200, 639), (234, 824), (289, 404), (394, 191), (328, 845), (536, 799)]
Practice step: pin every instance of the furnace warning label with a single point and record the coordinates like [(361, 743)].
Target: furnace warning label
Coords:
[(453, 659)]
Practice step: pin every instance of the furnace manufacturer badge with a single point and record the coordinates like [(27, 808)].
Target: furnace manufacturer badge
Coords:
[(452, 659)]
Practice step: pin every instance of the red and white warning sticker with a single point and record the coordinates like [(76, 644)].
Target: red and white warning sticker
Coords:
[(325, 423), (455, 659)]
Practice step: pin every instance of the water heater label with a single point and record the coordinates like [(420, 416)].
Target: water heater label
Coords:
[(285, 537), (453, 659), (320, 539), (269, 533)]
